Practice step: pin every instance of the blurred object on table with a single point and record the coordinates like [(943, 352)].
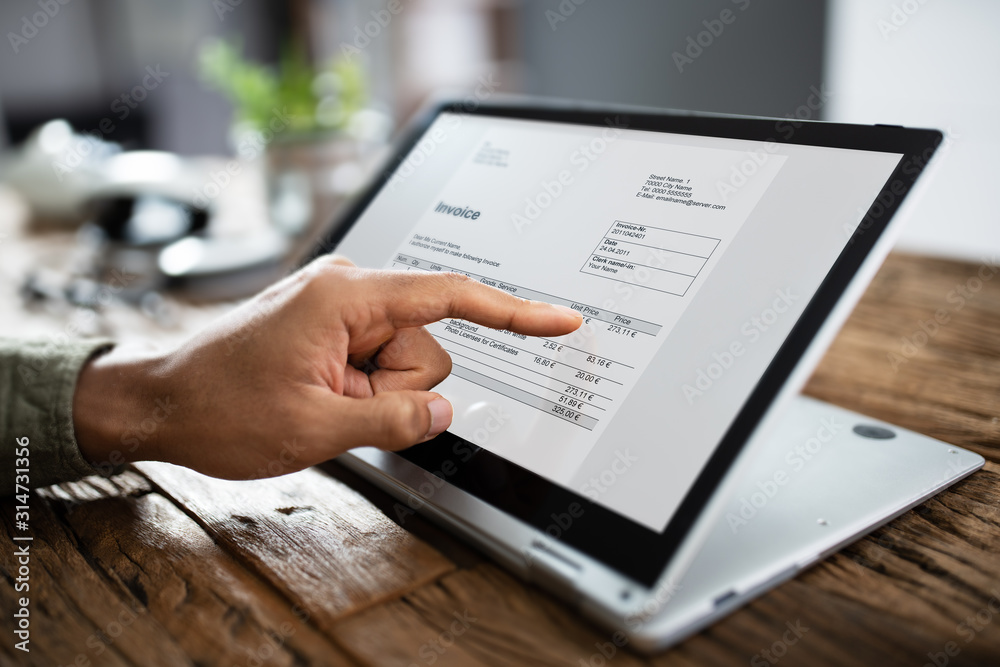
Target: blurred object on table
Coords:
[(146, 214), (56, 170)]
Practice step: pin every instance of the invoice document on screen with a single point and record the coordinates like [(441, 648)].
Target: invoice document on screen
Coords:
[(624, 231)]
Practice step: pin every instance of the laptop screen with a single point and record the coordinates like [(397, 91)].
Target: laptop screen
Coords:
[(691, 258)]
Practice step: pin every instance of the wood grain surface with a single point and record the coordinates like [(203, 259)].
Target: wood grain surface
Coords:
[(162, 566), (318, 541)]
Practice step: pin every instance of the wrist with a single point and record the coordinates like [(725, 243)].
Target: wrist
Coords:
[(116, 418)]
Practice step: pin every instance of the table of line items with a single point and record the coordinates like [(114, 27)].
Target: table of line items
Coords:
[(652, 257), (566, 382)]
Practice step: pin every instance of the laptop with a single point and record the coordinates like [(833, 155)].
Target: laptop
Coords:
[(657, 468)]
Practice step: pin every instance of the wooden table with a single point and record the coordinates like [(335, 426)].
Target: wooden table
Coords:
[(162, 566)]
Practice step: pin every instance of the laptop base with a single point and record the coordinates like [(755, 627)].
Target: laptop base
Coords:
[(829, 477)]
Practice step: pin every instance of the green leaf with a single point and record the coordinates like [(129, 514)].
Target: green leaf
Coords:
[(323, 99)]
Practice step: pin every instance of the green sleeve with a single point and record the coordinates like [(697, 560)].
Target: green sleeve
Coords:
[(37, 382)]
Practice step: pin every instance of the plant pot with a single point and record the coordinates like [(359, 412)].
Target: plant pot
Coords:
[(307, 177)]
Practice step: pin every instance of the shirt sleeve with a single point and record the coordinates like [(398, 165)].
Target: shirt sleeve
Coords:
[(37, 382)]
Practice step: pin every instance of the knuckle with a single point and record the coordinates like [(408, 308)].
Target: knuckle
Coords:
[(456, 278), (391, 351), (317, 276), (331, 262), (339, 260), (318, 268), (455, 281)]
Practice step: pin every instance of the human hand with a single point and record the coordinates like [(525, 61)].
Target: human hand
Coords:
[(277, 385)]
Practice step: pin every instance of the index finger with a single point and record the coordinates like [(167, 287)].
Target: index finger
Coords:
[(416, 299)]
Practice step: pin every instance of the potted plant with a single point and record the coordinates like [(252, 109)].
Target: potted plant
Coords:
[(306, 122)]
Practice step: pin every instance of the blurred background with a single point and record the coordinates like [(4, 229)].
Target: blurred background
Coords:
[(237, 126)]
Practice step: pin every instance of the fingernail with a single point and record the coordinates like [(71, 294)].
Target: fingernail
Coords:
[(441, 414), (566, 309)]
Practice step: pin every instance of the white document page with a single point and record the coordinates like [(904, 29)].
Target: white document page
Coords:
[(625, 232)]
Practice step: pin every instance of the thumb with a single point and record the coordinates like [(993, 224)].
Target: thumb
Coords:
[(391, 420)]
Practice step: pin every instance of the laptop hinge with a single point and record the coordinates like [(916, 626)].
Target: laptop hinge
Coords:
[(554, 571)]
